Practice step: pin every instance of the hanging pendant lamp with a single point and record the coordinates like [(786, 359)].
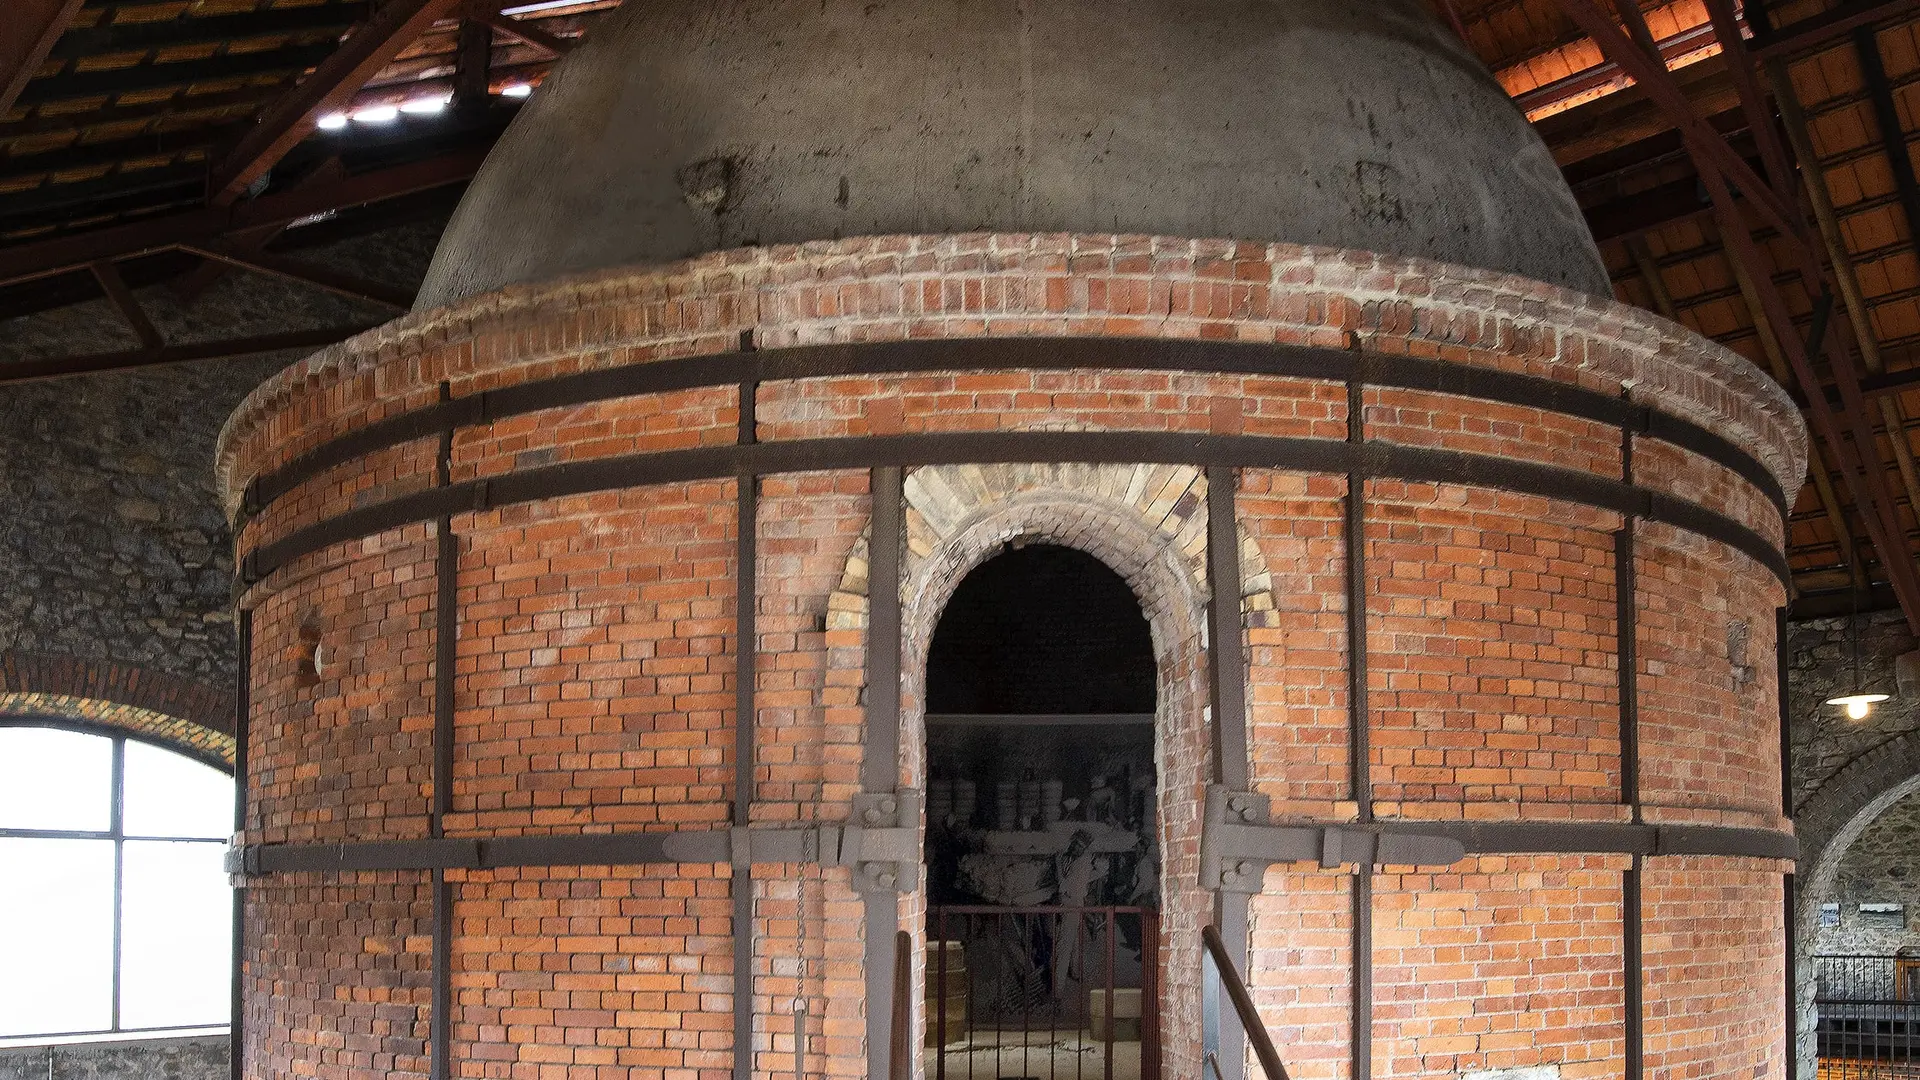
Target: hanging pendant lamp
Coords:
[(1860, 700)]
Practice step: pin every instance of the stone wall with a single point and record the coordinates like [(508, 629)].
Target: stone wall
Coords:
[(202, 1057), (1819, 661), (114, 549), (1882, 866)]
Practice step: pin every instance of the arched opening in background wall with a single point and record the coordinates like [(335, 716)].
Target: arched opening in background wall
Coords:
[(116, 916)]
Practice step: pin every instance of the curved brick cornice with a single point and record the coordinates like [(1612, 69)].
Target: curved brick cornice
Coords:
[(1017, 285), (186, 715)]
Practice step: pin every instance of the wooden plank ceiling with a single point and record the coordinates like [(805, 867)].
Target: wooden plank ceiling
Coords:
[(156, 141)]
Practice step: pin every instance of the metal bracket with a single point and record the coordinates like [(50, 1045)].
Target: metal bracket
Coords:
[(1238, 843), (883, 843)]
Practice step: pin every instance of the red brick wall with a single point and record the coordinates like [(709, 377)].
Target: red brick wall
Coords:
[(1500, 962), (338, 976), (1715, 968), (1490, 653), (597, 652), (621, 970)]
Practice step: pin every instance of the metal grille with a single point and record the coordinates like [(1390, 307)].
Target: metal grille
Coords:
[(1869, 1008), (1047, 993)]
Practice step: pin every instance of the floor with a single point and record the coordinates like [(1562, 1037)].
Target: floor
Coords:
[(1035, 1055)]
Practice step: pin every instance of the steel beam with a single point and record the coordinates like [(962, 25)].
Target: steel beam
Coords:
[(488, 15), (230, 349), (23, 262), (373, 45), (122, 299), (305, 273)]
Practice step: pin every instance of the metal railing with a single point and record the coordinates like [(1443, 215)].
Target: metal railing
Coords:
[(1236, 988), (1051, 993), (1869, 1009)]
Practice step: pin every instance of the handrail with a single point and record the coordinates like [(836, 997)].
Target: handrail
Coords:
[(900, 1057), (1256, 1028)]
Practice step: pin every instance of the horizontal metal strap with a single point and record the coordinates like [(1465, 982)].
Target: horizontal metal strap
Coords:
[(1373, 460), (1238, 841), (1001, 354), (831, 845)]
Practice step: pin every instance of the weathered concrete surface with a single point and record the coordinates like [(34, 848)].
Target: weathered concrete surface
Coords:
[(693, 125), (197, 1058)]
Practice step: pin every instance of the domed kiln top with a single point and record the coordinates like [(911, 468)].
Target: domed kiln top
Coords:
[(686, 126)]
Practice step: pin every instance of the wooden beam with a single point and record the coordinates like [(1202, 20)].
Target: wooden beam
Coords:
[(489, 15), (472, 67), (57, 255), (177, 73), (1721, 170), (371, 47), (1659, 86), (1821, 30), (306, 273), (1846, 278), (234, 348), (129, 308), (33, 27), (216, 30)]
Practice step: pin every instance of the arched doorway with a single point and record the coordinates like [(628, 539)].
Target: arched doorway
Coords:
[(1043, 853)]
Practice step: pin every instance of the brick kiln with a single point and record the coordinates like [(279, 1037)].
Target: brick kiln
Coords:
[(771, 320)]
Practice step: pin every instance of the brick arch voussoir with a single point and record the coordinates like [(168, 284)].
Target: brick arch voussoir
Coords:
[(181, 714), (1849, 801)]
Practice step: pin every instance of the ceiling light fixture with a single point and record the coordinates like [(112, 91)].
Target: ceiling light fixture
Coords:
[(331, 122), (1860, 699), (517, 90), (377, 114), (541, 5), (425, 106)]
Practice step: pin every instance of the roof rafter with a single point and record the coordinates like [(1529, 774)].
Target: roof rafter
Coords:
[(372, 45), (35, 25)]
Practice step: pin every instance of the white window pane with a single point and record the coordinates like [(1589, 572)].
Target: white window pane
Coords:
[(56, 936), (54, 779), (176, 945), (170, 794)]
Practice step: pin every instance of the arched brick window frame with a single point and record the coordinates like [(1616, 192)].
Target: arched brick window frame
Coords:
[(1148, 523), (176, 713)]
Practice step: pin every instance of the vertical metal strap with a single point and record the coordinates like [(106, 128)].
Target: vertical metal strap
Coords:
[(746, 662), (1228, 653), (1362, 1040), (1627, 643), (1630, 920), (1781, 677), (880, 762), (1359, 740), (1227, 660), (1793, 978), (446, 623), (242, 710), (1626, 608)]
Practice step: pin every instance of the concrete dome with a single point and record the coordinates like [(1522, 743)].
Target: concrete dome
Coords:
[(686, 126)]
